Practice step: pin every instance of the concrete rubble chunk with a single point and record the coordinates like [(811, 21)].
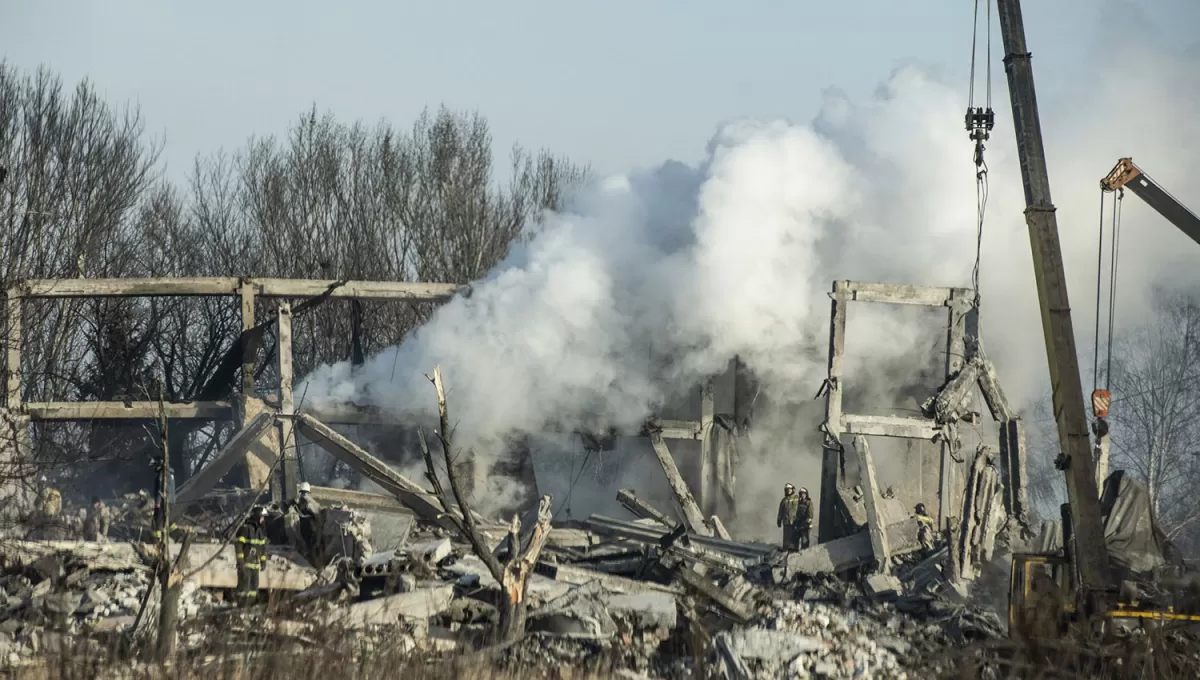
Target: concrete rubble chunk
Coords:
[(472, 573), (419, 605), (642, 611), (429, 552), (883, 585), (773, 646), (851, 551), (577, 614), (212, 565)]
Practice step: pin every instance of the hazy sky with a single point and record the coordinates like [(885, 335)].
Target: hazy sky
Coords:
[(614, 83)]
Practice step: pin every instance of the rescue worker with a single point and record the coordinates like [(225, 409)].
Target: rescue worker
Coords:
[(48, 521), (926, 528), (804, 521), (793, 517), (161, 495), (251, 551), (95, 523), (310, 515)]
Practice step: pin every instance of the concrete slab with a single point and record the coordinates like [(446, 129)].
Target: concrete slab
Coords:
[(775, 646), (417, 606)]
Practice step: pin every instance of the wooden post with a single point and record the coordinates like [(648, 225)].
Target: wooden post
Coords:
[(13, 352), (707, 468), (287, 406), (875, 527), (831, 458)]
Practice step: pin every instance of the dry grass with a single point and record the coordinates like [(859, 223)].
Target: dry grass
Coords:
[(1169, 653)]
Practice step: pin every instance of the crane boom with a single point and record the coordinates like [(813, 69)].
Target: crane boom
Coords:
[(1126, 174), (1090, 553)]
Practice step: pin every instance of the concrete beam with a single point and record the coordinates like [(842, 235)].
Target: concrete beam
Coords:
[(408, 492), (642, 509), (889, 426), (1013, 470), (134, 410), (227, 285), (683, 496), (831, 458), (851, 551), (708, 480), (353, 414), (875, 526), (204, 479), (950, 488), (899, 294), (989, 385), (287, 405), (12, 347)]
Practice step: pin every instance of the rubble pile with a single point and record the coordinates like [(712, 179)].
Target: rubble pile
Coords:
[(642, 598)]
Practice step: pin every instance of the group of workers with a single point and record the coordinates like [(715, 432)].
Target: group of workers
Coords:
[(251, 539), (795, 518)]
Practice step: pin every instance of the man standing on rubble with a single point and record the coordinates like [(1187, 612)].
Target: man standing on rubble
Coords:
[(95, 523), (251, 550)]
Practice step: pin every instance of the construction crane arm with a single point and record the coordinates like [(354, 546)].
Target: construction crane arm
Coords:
[(1126, 174), (1089, 553)]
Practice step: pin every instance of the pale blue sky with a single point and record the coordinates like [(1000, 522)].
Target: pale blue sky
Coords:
[(615, 83)]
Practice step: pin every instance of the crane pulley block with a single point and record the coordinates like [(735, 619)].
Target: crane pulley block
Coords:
[(980, 122)]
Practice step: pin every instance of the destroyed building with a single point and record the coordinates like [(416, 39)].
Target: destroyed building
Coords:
[(869, 598)]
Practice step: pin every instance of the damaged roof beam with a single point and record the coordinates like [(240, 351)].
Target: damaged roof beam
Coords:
[(899, 294), (407, 491), (683, 496), (889, 426), (208, 476), (229, 285)]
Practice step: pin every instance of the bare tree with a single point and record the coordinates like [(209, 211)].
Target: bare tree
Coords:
[(1156, 409), (327, 200), (513, 574)]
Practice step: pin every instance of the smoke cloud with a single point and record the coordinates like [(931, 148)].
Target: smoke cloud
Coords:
[(652, 280)]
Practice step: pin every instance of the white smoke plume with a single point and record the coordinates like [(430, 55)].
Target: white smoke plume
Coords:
[(736, 256)]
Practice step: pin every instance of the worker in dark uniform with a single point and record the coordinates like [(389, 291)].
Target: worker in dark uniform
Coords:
[(789, 511), (926, 528), (163, 497), (310, 516), (251, 549), (804, 518), (96, 522)]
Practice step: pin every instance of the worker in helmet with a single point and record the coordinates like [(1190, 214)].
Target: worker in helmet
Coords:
[(804, 521), (926, 528), (251, 550), (310, 517), (794, 518)]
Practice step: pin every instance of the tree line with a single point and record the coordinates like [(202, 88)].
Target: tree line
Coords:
[(86, 196)]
